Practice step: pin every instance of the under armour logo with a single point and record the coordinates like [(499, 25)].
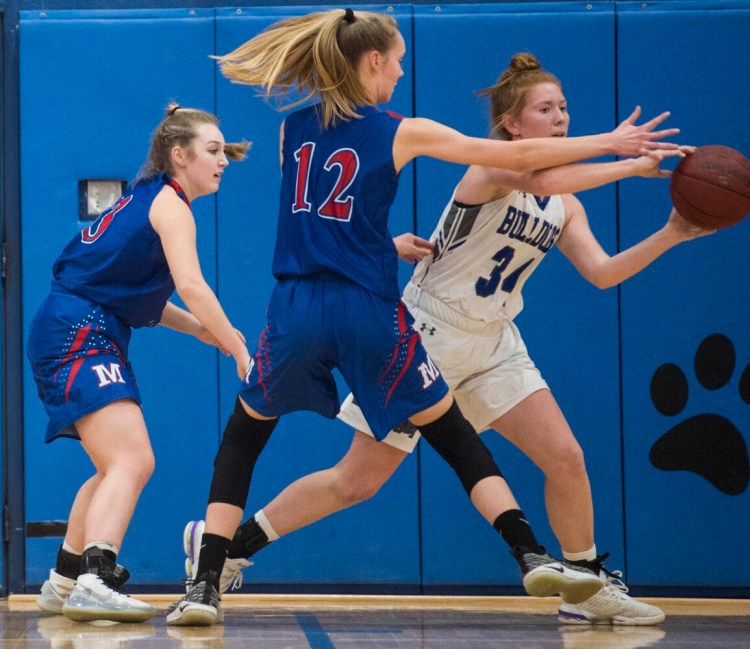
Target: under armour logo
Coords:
[(429, 330)]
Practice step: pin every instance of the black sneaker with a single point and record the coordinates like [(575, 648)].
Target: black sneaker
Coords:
[(200, 606), (543, 576)]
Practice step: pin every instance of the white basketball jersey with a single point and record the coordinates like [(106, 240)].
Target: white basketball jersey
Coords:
[(485, 253)]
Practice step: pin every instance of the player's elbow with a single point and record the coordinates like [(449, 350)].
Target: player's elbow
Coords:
[(190, 289), (602, 281)]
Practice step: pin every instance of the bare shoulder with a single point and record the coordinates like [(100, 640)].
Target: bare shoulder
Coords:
[(168, 206)]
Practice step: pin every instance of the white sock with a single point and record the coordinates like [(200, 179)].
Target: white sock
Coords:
[(265, 525), (103, 545), (587, 555), (68, 548)]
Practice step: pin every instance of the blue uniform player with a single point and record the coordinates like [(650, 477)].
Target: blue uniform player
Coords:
[(336, 302), (115, 275), (325, 311)]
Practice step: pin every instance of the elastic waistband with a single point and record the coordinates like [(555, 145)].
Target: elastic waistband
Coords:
[(415, 296)]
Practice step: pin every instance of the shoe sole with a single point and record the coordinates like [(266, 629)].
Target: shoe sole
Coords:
[(544, 583), (195, 615), (581, 620), (84, 614), (49, 606), (187, 547)]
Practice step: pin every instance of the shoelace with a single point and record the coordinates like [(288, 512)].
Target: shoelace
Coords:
[(198, 591), (612, 578)]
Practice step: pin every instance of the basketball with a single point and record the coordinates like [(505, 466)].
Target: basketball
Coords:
[(711, 187)]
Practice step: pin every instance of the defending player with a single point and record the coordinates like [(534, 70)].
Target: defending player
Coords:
[(116, 275)]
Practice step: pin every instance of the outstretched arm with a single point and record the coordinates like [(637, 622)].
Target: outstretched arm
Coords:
[(571, 178), (173, 222), (579, 245), (418, 136)]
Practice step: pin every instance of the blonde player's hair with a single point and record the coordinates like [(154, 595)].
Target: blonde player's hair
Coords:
[(179, 127), (509, 94), (316, 55)]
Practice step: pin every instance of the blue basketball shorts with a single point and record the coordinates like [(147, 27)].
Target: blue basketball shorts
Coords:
[(317, 324), (79, 358)]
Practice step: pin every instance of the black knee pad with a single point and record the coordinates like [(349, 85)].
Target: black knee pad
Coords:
[(243, 441), (458, 444)]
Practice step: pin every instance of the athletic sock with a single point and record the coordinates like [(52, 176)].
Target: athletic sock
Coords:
[(68, 563), (516, 531), (212, 556)]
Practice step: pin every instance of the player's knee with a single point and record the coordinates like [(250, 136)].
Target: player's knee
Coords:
[(135, 468), (454, 438), (565, 460), (350, 490), (244, 439)]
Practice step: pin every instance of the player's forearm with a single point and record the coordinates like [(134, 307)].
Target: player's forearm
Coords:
[(205, 307), (632, 261), (572, 178)]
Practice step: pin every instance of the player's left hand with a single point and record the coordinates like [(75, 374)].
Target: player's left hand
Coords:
[(205, 336), (649, 162), (684, 229), (412, 248)]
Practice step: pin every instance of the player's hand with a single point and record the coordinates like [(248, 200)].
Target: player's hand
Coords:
[(205, 336), (684, 229), (243, 366), (412, 248), (633, 140), (648, 165)]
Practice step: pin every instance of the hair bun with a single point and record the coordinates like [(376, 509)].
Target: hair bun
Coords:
[(524, 61)]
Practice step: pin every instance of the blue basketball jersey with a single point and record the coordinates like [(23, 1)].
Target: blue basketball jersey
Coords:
[(118, 260), (338, 185)]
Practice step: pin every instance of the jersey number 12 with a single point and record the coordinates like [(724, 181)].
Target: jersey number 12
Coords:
[(338, 204)]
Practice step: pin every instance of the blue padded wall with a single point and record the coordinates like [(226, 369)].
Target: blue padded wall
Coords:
[(461, 49), (355, 546), (677, 520), (93, 87)]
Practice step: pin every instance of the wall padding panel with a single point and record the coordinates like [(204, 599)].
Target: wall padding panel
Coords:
[(687, 311)]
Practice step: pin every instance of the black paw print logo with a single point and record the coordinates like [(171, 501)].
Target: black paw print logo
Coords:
[(707, 444)]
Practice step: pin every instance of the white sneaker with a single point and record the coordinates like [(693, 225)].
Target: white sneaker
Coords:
[(231, 575), (92, 599), (55, 592), (611, 605)]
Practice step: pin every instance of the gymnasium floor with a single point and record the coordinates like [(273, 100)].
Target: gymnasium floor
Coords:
[(318, 622)]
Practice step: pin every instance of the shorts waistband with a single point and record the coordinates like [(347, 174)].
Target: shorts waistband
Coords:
[(426, 302)]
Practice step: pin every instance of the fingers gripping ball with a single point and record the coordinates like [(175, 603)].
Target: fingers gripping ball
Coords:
[(711, 187)]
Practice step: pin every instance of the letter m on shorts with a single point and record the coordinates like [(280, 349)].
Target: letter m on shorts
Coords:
[(110, 375), (429, 372)]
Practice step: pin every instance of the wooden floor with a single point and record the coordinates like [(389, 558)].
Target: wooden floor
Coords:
[(354, 622)]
